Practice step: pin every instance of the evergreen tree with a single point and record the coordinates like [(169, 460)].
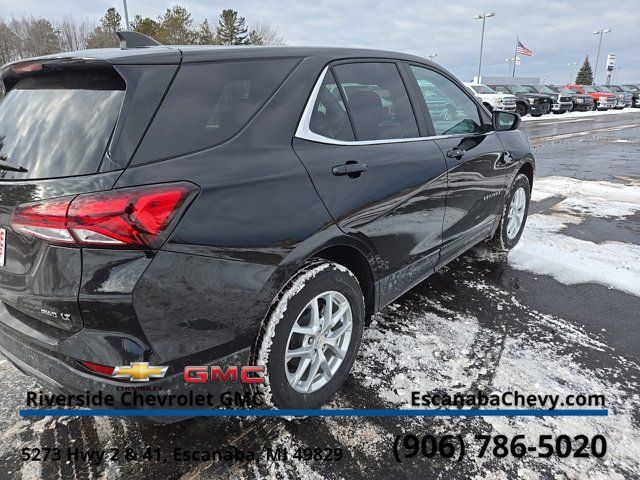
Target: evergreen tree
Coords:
[(231, 29), (145, 25), (105, 35), (585, 74), (175, 27), (112, 21), (206, 36)]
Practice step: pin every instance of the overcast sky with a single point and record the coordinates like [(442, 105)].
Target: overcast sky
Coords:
[(558, 32)]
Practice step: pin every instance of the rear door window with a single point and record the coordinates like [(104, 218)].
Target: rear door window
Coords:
[(208, 103), (58, 125), (377, 101), (329, 117)]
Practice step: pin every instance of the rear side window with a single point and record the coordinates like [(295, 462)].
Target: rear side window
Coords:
[(377, 101), (58, 125), (329, 117), (209, 103)]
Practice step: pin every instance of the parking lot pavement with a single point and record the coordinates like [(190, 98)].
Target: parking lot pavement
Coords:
[(557, 315)]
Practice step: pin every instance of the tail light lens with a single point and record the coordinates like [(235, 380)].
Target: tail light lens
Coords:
[(98, 368), (139, 217)]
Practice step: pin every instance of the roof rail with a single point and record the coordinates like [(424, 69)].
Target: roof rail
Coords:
[(135, 40)]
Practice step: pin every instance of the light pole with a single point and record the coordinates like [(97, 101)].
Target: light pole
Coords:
[(484, 17), (126, 14), (599, 32), (571, 67), (431, 56)]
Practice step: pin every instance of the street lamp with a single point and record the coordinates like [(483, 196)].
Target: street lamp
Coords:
[(599, 32), (484, 17), (431, 56), (126, 14), (571, 67)]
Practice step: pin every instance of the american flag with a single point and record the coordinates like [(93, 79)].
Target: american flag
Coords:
[(523, 50)]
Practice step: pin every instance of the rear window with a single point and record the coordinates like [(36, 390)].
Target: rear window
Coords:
[(209, 103), (58, 125)]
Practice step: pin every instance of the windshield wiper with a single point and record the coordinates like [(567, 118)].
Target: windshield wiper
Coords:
[(12, 168)]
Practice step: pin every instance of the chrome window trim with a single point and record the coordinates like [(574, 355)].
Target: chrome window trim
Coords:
[(303, 131)]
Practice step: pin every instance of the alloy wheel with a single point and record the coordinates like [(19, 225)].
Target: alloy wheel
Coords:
[(318, 342), (516, 213)]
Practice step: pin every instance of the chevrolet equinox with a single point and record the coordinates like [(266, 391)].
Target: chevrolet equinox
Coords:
[(231, 206)]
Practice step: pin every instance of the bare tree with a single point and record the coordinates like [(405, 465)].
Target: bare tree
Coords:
[(263, 33), (73, 34)]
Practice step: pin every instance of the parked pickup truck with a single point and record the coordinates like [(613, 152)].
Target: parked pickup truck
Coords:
[(492, 99), (560, 103), (625, 98), (603, 100), (581, 102), (537, 104)]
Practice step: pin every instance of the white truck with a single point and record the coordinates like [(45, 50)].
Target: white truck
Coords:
[(492, 99)]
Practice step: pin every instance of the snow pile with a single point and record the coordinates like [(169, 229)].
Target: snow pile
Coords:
[(545, 250)]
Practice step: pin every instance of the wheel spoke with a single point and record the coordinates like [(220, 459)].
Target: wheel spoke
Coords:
[(315, 314), (299, 352), (304, 365), (313, 371), (338, 315), (328, 308), (337, 351), (302, 330), (337, 334)]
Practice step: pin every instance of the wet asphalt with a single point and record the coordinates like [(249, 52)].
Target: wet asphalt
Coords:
[(477, 324)]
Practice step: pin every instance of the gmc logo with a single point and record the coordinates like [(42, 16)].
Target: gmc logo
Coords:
[(213, 374)]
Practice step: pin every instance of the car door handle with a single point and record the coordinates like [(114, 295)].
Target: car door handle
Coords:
[(353, 169), (457, 153)]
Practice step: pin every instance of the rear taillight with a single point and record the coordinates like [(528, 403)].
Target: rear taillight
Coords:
[(139, 217), (98, 368)]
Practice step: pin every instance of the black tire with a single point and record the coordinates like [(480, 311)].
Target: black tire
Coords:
[(536, 114), (500, 240), (521, 109), (595, 106), (312, 280)]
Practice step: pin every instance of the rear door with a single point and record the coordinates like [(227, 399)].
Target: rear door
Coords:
[(475, 159), (55, 127), (380, 179)]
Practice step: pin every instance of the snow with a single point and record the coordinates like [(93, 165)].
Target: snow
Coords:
[(545, 249), (579, 115)]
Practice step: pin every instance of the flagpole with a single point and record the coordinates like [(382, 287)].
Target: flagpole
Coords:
[(515, 55)]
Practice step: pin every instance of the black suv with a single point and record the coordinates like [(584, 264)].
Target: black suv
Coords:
[(223, 206), (537, 104)]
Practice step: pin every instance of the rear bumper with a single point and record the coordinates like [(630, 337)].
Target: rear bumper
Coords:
[(63, 376)]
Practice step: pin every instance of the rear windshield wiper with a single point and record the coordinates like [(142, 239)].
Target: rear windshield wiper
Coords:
[(12, 168)]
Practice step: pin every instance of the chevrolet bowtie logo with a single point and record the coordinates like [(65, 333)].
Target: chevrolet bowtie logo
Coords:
[(139, 372)]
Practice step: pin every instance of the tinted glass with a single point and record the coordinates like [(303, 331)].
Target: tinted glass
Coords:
[(482, 89), (58, 125), (500, 88), (209, 103), (451, 110), (329, 117), (377, 100)]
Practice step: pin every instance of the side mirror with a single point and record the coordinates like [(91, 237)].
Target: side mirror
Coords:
[(503, 121)]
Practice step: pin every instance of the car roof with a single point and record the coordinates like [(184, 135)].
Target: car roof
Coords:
[(172, 54)]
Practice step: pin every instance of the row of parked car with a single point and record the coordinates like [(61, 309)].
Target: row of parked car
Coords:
[(538, 100)]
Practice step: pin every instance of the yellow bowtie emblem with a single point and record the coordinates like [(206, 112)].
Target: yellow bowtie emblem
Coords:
[(139, 372)]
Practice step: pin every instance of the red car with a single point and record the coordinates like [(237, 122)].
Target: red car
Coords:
[(602, 100)]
